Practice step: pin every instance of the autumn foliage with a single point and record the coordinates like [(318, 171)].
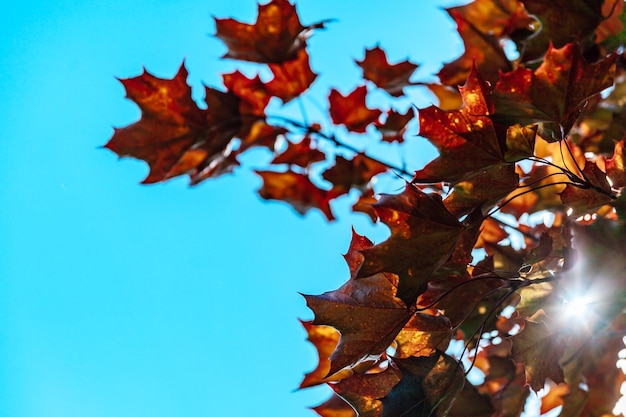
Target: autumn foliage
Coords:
[(505, 268)]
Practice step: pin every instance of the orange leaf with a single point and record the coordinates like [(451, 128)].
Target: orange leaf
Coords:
[(466, 139), (297, 190), (291, 78), (325, 340), (351, 110), (277, 35)]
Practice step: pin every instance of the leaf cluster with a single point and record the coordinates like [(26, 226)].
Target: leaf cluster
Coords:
[(505, 267)]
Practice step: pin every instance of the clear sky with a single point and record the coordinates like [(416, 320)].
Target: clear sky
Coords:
[(124, 300)]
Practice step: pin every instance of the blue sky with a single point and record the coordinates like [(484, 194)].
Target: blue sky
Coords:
[(124, 300)]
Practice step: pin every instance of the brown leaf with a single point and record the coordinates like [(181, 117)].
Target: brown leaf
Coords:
[(391, 78), (351, 110), (297, 190), (540, 350), (423, 236), (291, 78), (554, 93), (275, 37), (366, 312)]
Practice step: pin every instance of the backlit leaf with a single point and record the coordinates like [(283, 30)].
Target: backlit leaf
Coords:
[(351, 110), (391, 78), (297, 190)]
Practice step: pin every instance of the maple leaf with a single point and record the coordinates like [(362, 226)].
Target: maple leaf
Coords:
[(356, 172), (173, 135), (276, 36), (540, 350), (395, 125), (562, 22), (482, 50), (351, 110), (466, 139), (366, 313), (300, 154), (423, 236), (554, 93), (297, 190), (291, 78), (391, 78)]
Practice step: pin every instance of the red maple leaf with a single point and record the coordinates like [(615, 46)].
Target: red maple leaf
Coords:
[(351, 110), (391, 78), (466, 139), (276, 36), (174, 135), (297, 190)]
